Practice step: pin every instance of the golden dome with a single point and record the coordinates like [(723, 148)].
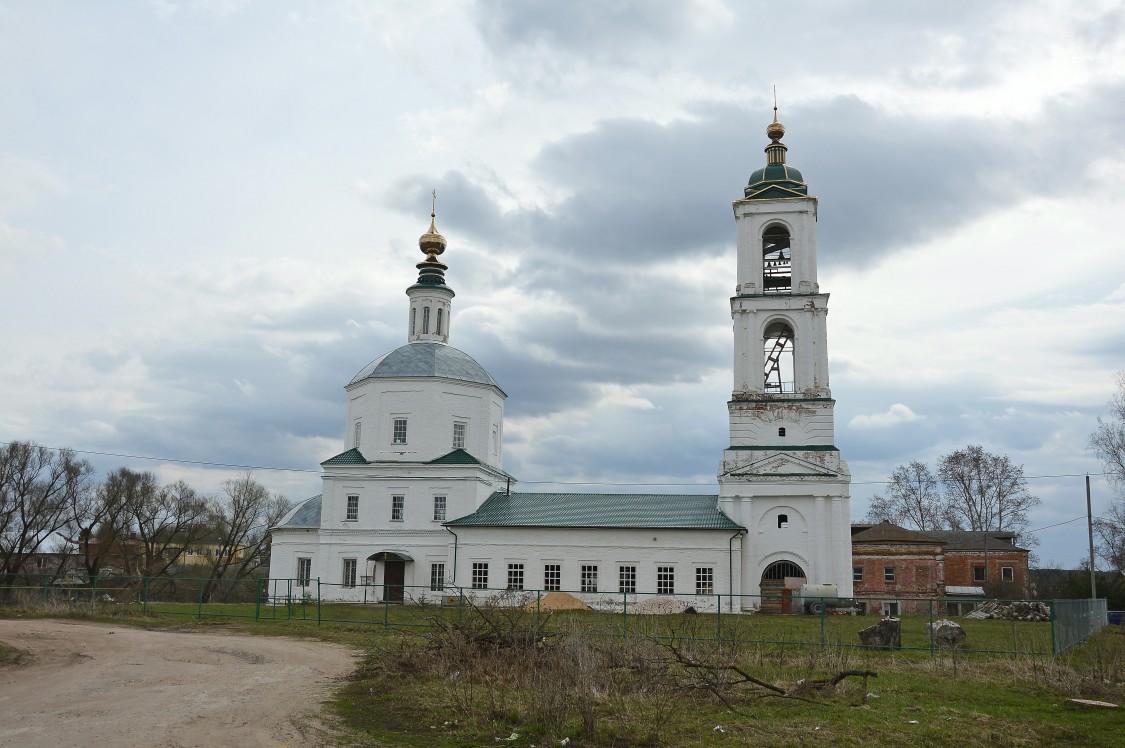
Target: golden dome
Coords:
[(775, 130), (432, 243)]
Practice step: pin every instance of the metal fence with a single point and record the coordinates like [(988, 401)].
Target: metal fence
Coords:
[(1073, 621), (1057, 625)]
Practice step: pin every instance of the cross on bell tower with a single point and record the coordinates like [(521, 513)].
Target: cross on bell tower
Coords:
[(782, 476)]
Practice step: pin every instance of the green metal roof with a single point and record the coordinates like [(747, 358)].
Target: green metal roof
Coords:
[(350, 457), (583, 510), (776, 180), (456, 457)]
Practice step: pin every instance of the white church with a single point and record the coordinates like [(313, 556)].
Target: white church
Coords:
[(419, 505)]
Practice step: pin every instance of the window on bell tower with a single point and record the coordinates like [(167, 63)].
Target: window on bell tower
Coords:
[(778, 350), (438, 328), (777, 267), (425, 320)]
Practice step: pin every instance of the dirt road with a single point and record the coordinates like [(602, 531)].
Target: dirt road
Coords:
[(87, 685)]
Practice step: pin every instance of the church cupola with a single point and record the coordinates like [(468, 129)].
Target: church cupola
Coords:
[(430, 298), (776, 178)]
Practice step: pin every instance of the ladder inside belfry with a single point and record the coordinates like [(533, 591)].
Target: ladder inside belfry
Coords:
[(773, 363)]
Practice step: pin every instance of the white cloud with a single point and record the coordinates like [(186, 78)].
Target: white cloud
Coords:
[(896, 414)]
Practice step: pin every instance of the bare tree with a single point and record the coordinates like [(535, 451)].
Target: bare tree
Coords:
[(1108, 443), (914, 499), (241, 521), (100, 526), (165, 521), (38, 486), (986, 492)]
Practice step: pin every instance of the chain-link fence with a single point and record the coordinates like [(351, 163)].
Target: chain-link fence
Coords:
[(1075, 620), (909, 625)]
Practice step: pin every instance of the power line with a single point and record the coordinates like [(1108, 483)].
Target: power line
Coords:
[(206, 463), (1057, 524)]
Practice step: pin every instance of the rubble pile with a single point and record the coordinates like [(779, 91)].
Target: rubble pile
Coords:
[(1017, 611)]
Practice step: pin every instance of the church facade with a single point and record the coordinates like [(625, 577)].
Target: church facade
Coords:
[(419, 504)]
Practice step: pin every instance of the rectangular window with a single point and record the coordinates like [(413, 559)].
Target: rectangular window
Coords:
[(458, 435), (304, 571), (397, 505), (480, 575), (589, 578), (627, 579), (353, 507), (889, 574), (552, 577), (1007, 573), (978, 574), (857, 573), (439, 509), (437, 577), (705, 580), (400, 431), (665, 580), (358, 433), (515, 576), (349, 572), (890, 609)]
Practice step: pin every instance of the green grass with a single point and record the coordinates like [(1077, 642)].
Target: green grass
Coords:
[(404, 693)]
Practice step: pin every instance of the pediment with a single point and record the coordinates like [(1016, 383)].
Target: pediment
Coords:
[(776, 465)]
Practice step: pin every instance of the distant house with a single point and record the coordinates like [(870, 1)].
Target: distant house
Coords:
[(901, 570)]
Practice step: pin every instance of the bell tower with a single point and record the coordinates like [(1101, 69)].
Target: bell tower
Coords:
[(782, 476)]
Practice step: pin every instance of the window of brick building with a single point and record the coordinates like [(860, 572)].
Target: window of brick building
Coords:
[(978, 574), (1007, 573), (889, 574)]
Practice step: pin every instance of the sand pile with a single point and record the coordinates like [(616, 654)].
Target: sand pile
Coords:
[(558, 601)]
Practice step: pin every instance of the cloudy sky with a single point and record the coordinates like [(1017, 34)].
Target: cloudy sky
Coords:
[(209, 212)]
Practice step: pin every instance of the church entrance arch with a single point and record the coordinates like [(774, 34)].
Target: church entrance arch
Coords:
[(779, 580), (394, 573)]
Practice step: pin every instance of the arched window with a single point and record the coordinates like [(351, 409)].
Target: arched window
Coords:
[(413, 319), (438, 329), (781, 570), (778, 350), (357, 434), (425, 320), (777, 268)]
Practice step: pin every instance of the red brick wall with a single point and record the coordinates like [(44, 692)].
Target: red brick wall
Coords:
[(918, 574), (959, 571)]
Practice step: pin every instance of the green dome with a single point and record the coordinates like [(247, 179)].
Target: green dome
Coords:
[(783, 176)]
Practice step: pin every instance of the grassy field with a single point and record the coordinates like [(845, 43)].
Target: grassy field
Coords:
[(470, 680)]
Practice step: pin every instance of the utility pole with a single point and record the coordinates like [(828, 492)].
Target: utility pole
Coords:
[(1090, 528)]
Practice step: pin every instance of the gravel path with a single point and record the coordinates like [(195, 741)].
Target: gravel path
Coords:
[(78, 684)]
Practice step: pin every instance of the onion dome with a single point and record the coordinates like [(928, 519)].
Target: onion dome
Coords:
[(431, 271), (776, 178)]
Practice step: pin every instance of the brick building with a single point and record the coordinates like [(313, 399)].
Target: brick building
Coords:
[(896, 567), (900, 571), (985, 559)]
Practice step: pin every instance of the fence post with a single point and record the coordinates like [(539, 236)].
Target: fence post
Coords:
[(144, 607), (199, 610), (625, 615), (318, 601), (258, 600), (1054, 645), (823, 613), (93, 590), (931, 629)]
